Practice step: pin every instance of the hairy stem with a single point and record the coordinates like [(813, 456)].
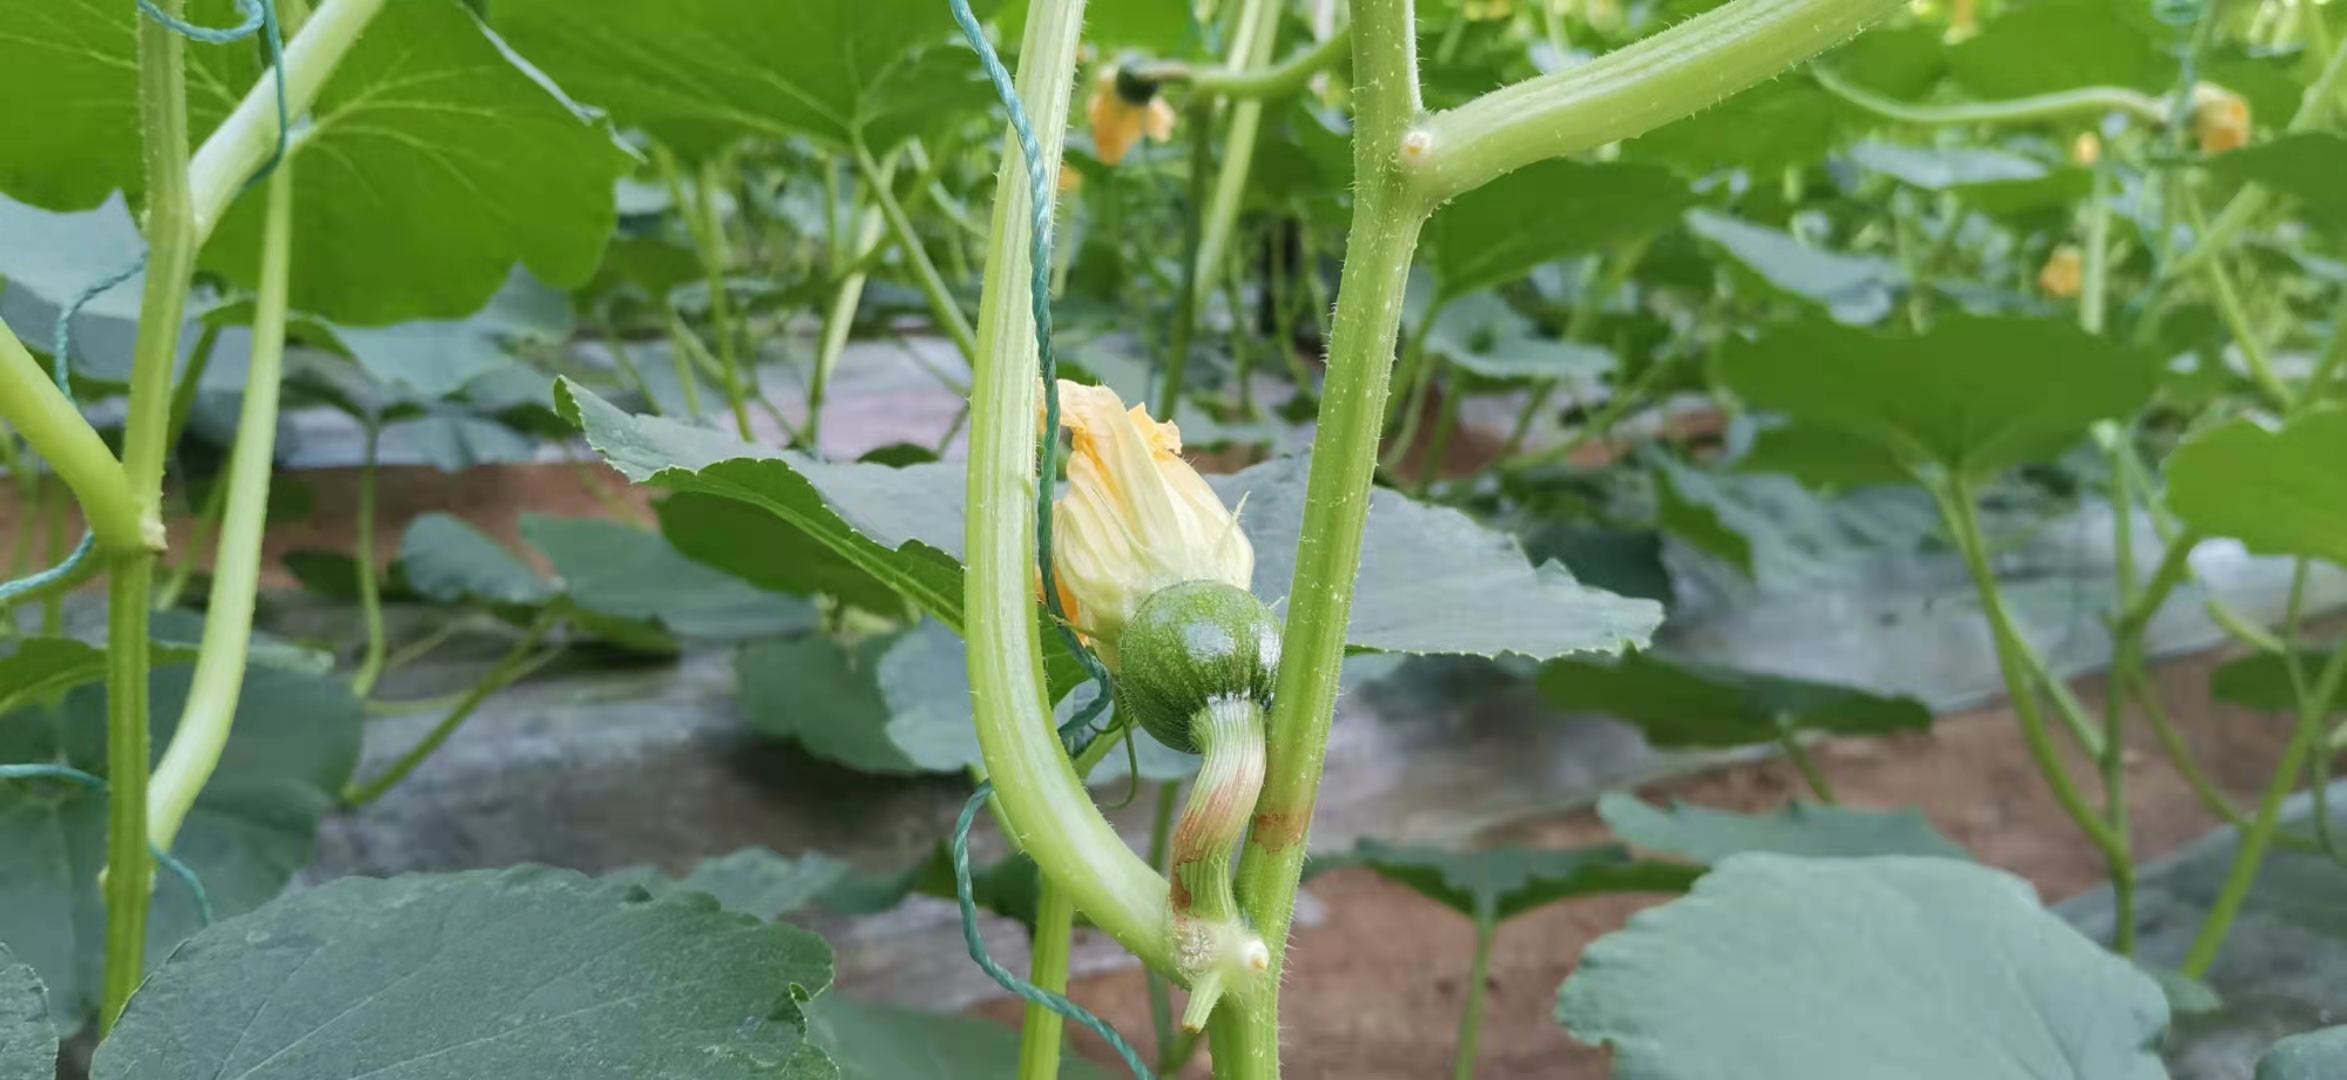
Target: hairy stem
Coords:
[(942, 305), (237, 148), (1629, 91), (38, 410), (1042, 1033), (2086, 102)]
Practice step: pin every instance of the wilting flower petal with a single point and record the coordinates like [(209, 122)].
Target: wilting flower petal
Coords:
[(1119, 123)]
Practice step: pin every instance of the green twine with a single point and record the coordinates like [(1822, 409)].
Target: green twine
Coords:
[(180, 870), (1029, 991), (1079, 731)]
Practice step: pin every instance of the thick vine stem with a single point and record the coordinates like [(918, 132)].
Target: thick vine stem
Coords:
[(1049, 813), (1627, 92), (235, 150), (1270, 81), (32, 404), (1213, 947), (218, 682)]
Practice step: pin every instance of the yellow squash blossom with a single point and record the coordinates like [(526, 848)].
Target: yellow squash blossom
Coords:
[(2064, 273), (2220, 119), (1136, 518), (1119, 123)]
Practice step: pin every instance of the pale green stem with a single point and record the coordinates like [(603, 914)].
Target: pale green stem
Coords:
[(1037, 793), (1626, 92), (371, 661), (1251, 45), (2085, 102), (32, 403), (1213, 948), (682, 345), (2236, 317), (516, 664), (839, 318), (1790, 741), (238, 147), (1478, 988), (698, 200), (942, 306), (1269, 81), (2246, 860), (1042, 1033), (1955, 499), (218, 681)]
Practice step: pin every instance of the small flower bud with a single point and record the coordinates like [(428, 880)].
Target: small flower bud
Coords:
[(2064, 273), (2220, 119), (2086, 149), (1189, 646)]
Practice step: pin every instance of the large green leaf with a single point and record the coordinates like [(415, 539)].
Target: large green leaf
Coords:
[(529, 972), (447, 560), (1694, 705), (436, 358), (2279, 492), (824, 696), (1431, 581), (618, 570), (1972, 394), (747, 541), (1481, 335), (1767, 129), (28, 1041), (2055, 45), (431, 164), (1707, 836), (2306, 165), (1434, 581), (1853, 288), (1502, 230), (2315, 1055), (1778, 968), (698, 76), (294, 745), (884, 1042), (40, 666), (1501, 883)]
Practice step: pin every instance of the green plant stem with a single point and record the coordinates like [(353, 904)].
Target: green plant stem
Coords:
[(1478, 988), (1386, 221), (2236, 317), (171, 251), (2085, 102), (1252, 41), (2094, 286), (1616, 271), (1199, 120), (2126, 656), (1212, 946), (237, 148), (1805, 764), (1267, 81), (1625, 92), (32, 404), (183, 569), (2246, 860), (199, 360), (908, 243), (517, 663), (1601, 423), (840, 317), (1037, 793), (218, 682), (682, 345), (1043, 1032), (362, 681), (1955, 499), (698, 201)]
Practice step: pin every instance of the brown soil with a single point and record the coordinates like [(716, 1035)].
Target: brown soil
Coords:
[(1373, 992)]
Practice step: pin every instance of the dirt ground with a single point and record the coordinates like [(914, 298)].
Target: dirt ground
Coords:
[(1374, 991)]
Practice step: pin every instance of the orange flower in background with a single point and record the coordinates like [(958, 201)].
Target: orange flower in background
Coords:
[(1119, 123), (2220, 119), (2064, 273), (1136, 518)]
